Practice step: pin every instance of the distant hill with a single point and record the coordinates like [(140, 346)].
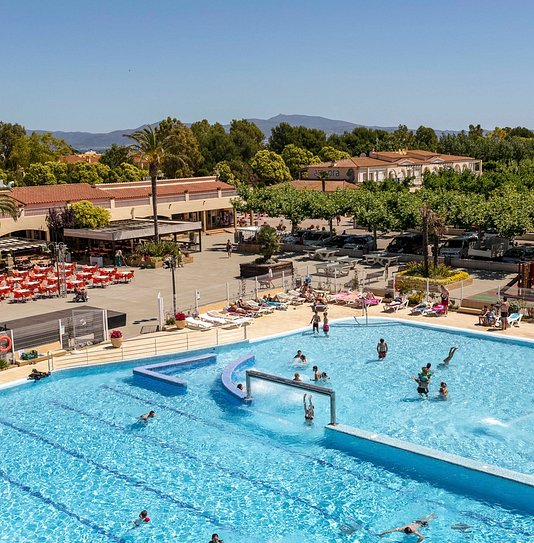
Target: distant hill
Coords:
[(83, 141)]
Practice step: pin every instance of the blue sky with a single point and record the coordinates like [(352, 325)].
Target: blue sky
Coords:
[(101, 66)]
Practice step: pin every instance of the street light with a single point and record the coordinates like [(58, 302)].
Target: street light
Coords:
[(59, 249), (171, 265)]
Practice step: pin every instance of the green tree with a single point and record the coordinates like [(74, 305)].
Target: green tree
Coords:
[(284, 134), (183, 158), (128, 173), (296, 157), (223, 170), (404, 137), (39, 174), (86, 215), (60, 171), (215, 144), (270, 168), (475, 132), (247, 138), (328, 153), (269, 242), (115, 156), (82, 172), (426, 139), (156, 147), (38, 148), (10, 134)]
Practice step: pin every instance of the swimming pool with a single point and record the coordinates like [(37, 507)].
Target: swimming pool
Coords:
[(76, 465), (489, 414)]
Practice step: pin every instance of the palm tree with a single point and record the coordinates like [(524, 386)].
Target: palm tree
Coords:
[(154, 146), (8, 205)]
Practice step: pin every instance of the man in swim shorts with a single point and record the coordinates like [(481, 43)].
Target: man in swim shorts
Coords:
[(382, 348), (413, 527), (147, 416)]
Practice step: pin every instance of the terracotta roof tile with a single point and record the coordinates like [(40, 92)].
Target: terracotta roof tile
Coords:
[(58, 194)]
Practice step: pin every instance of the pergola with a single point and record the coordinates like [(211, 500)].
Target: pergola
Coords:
[(8, 245), (135, 229)]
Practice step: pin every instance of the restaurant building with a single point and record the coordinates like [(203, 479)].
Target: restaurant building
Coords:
[(200, 199)]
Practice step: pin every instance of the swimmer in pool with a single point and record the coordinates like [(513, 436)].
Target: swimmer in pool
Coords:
[(297, 377), (443, 392), (309, 412), (452, 350), (316, 374), (324, 376), (147, 416), (143, 519), (413, 527)]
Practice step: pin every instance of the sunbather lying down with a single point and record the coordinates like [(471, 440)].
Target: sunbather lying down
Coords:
[(397, 301)]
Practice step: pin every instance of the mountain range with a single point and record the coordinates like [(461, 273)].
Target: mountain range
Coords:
[(83, 141)]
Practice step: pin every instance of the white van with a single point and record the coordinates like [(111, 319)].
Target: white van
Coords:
[(456, 247)]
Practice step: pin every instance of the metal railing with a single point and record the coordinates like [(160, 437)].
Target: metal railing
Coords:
[(131, 349)]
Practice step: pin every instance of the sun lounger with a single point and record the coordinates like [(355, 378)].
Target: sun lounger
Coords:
[(436, 311), (196, 324), (513, 320), (340, 294), (418, 309), (213, 320), (290, 299), (231, 319), (395, 306)]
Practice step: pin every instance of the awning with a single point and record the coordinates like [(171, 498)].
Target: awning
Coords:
[(133, 229), (8, 245)]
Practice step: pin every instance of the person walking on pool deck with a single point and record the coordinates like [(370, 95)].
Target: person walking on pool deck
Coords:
[(229, 248), (382, 348), (309, 412), (315, 321), (445, 294), (413, 527)]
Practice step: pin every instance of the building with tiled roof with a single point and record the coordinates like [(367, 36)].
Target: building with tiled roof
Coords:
[(204, 199), (381, 165)]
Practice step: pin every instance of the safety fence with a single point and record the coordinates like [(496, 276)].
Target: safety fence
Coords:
[(172, 342), (84, 327), (189, 300)]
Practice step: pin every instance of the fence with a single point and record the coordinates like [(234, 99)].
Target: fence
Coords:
[(132, 349), (82, 328), (188, 300)]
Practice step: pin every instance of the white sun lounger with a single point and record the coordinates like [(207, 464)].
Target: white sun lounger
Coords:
[(196, 324)]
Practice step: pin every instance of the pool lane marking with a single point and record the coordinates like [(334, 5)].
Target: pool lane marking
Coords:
[(225, 428), (62, 508), (112, 471), (235, 473)]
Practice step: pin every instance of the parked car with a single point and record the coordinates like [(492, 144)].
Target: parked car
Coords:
[(295, 237), (456, 247), (519, 254), (411, 244), (351, 241), (363, 243), (315, 238)]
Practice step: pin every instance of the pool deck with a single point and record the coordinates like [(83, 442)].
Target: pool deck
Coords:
[(297, 318)]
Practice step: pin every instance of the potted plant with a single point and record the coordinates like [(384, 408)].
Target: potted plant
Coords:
[(116, 338), (180, 320), (170, 324)]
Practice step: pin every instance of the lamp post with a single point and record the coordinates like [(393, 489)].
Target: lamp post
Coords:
[(59, 249), (171, 264)]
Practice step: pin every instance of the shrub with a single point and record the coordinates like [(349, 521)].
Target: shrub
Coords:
[(170, 321)]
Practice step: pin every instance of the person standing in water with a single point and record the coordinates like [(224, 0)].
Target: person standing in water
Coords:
[(315, 322), (326, 327), (309, 412), (382, 348)]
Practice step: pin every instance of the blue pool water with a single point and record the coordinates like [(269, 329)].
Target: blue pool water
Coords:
[(76, 466)]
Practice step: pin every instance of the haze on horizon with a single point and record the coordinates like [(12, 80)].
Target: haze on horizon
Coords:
[(107, 66)]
